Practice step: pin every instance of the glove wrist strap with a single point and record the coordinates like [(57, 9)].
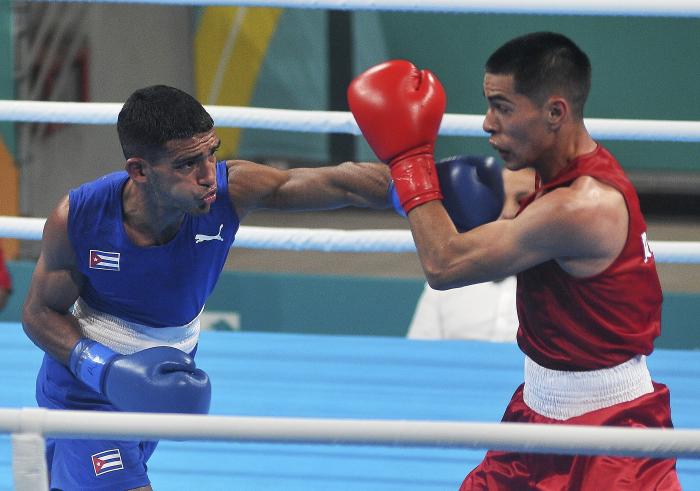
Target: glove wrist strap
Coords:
[(416, 180), (88, 361)]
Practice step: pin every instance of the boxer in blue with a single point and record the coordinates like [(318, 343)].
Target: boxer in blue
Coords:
[(128, 261)]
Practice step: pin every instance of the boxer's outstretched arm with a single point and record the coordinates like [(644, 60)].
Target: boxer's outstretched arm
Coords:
[(255, 186), (55, 286)]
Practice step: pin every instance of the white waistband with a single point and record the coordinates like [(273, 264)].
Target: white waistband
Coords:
[(559, 394), (129, 337)]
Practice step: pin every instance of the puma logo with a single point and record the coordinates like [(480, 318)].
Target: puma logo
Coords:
[(203, 238)]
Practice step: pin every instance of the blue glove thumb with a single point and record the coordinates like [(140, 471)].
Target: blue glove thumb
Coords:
[(393, 199)]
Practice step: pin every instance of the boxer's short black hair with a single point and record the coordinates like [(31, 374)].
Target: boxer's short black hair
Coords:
[(542, 64), (157, 114)]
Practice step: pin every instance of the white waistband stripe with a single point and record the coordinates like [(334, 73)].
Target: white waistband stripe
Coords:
[(129, 337), (561, 395)]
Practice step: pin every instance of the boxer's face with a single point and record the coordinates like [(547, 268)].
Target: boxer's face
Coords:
[(184, 177), (518, 127)]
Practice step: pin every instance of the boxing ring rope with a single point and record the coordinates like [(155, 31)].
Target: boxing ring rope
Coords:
[(332, 121), (335, 122), (639, 8), (333, 240), (538, 438)]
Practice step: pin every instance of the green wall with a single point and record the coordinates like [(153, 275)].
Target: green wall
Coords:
[(293, 76), (681, 321), (318, 304), (348, 305), (643, 68)]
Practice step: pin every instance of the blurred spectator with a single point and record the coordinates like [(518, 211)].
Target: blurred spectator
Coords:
[(483, 311), (5, 282)]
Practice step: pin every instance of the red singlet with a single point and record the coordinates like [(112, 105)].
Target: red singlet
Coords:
[(569, 323), (575, 324)]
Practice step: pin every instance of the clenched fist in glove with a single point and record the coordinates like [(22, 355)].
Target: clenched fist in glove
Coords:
[(398, 109), (160, 379), (473, 191)]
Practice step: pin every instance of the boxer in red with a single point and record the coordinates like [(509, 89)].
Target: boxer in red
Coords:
[(588, 299)]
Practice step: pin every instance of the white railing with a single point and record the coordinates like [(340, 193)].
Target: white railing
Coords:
[(637, 8)]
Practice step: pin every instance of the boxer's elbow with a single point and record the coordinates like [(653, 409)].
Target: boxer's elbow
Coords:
[(30, 321), (444, 269), (442, 279), (436, 282)]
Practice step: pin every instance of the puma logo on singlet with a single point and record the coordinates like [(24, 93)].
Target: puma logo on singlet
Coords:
[(203, 238)]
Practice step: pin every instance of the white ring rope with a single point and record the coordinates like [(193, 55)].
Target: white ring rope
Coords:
[(332, 121), (333, 240), (564, 439), (640, 8)]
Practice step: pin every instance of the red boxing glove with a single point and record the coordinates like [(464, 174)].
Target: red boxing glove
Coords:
[(398, 109)]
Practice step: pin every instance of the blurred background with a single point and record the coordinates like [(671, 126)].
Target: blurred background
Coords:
[(643, 68)]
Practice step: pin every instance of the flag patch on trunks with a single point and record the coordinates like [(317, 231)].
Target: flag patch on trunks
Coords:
[(107, 461)]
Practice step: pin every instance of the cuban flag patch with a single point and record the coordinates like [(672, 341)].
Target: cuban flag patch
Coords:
[(104, 260), (107, 461)]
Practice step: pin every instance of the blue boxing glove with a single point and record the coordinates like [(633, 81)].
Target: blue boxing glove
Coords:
[(160, 379), (393, 199), (472, 187)]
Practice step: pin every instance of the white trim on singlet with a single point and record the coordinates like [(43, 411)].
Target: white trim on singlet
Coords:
[(129, 337), (561, 395)]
